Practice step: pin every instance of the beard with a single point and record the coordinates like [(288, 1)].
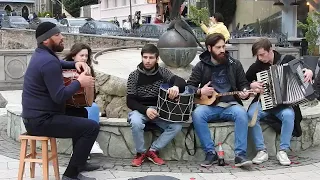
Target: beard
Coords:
[(57, 47), (220, 58)]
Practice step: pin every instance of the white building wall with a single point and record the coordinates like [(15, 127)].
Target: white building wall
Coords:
[(96, 11), (121, 9)]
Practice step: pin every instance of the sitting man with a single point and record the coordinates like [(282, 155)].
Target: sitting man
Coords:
[(143, 89), (44, 96), (266, 57), (217, 71)]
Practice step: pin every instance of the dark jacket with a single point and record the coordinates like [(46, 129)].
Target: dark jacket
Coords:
[(44, 93), (272, 120), (143, 86), (202, 72), (316, 86)]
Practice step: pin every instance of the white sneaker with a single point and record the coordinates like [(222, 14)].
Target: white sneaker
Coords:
[(283, 158), (261, 157)]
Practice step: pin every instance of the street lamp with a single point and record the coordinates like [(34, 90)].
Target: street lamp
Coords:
[(130, 14)]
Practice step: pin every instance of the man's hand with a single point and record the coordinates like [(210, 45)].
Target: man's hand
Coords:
[(152, 113), (173, 92), (85, 80), (257, 87), (82, 66), (308, 75), (244, 94), (206, 90)]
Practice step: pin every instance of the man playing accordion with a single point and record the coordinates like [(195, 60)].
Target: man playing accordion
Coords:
[(266, 57), (142, 94)]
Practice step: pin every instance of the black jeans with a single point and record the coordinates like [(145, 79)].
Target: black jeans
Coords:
[(82, 131)]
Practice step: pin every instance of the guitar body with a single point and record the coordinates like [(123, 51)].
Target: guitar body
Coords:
[(205, 100)]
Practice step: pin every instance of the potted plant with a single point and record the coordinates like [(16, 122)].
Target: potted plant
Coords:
[(312, 37)]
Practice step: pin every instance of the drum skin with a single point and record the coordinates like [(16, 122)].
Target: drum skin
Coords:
[(84, 96)]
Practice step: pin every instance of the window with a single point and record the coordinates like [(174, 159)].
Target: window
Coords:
[(124, 2), (115, 3)]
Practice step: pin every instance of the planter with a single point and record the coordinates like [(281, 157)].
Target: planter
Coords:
[(311, 62)]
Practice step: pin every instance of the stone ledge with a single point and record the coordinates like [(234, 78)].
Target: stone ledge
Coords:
[(115, 138), (123, 122)]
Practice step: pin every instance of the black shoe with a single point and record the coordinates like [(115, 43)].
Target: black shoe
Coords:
[(82, 177), (89, 167), (240, 161), (211, 158), (79, 177)]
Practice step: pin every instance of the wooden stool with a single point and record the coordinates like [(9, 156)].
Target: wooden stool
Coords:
[(32, 157)]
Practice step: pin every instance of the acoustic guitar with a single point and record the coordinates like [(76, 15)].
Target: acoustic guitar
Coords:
[(209, 100)]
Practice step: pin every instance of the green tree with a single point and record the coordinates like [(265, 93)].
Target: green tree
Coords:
[(199, 15), (312, 31), (73, 6)]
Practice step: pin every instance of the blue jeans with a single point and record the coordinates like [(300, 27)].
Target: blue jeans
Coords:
[(137, 122), (286, 115), (204, 114), (93, 112)]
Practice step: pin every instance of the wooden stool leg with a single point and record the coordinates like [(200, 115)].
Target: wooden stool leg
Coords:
[(55, 158), (33, 156), (45, 162), (23, 152)]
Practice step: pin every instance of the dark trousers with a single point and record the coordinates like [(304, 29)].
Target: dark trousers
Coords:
[(82, 131)]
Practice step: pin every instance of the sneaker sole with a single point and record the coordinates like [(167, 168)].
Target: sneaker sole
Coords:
[(258, 162), (137, 165), (154, 162), (247, 163), (284, 164), (209, 165)]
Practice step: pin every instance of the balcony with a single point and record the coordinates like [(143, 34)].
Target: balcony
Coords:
[(17, 1)]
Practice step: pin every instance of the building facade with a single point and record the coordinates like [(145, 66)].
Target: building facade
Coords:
[(109, 9), (21, 7)]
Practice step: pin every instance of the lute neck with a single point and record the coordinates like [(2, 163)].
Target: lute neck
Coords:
[(231, 93)]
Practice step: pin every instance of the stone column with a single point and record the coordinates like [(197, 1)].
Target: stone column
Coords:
[(289, 19)]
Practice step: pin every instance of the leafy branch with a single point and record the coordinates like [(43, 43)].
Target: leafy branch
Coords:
[(199, 15), (312, 31)]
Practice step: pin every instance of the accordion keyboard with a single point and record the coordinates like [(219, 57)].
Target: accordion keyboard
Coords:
[(267, 96)]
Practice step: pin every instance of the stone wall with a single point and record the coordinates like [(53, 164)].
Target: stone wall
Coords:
[(13, 65), (111, 95), (25, 39), (115, 138)]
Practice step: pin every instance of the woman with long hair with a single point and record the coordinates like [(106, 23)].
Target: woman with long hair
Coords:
[(80, 52)]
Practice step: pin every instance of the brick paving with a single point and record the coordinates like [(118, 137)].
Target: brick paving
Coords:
[(10, 148)]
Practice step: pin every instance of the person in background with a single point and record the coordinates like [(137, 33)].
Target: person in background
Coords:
[(80, 52), (216, 26), (115, 21), (158, 19)]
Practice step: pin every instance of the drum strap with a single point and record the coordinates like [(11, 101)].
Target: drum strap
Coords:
[(255, 114), (194, 140)]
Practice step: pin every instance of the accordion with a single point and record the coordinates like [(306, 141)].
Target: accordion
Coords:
[(284, 84)]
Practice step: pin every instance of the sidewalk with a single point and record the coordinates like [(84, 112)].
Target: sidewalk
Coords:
[(9, 170)]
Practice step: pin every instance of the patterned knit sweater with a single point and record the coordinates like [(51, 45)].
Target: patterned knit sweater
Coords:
[(143, 86)]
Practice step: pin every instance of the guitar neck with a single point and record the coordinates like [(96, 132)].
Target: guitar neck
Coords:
[(232, 93)]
